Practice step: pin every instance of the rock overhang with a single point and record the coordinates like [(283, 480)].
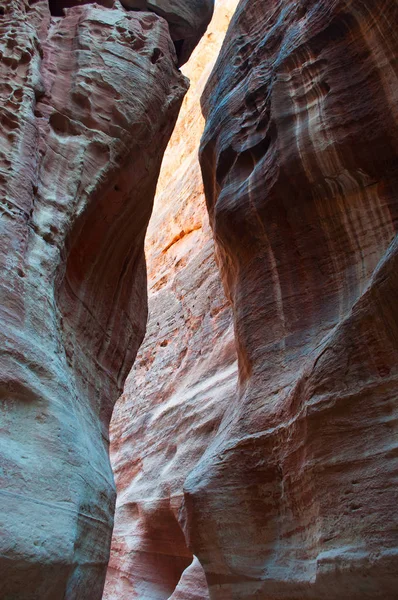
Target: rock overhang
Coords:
[(187, 19)]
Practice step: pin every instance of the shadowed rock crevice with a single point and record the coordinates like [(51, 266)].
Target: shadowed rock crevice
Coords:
[(57, 7), (187, 21)]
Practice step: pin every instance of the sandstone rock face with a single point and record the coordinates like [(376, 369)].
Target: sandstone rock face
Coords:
[(187, 19), (185, 372), (88, 103), (296, 496)]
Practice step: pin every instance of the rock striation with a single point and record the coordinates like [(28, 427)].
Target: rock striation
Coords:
[(296, 496), (185, 373), (89, 98)]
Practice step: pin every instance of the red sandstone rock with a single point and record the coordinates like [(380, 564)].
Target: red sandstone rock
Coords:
[(88, 102), (296, 497), (185, 372)]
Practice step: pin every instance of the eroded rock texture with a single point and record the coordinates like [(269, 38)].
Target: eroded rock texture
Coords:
[(185, 372), (88, 103), (296, 497), (187, 19)]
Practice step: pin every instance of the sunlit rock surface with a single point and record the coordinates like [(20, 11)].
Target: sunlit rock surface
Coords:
[(88, 103), (185, 373), (296, 496)]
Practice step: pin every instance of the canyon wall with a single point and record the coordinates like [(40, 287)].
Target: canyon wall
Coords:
[(89, 99), (185, 373), (296, 496)]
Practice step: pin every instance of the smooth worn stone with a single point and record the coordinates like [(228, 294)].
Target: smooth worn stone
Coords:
[(296, 496)]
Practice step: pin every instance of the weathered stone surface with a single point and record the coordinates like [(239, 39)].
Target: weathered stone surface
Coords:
[(185, 372), (88, 102), (296, 497), (187, 19)]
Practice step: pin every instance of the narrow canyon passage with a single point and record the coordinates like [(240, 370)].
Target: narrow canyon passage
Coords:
[(254, 443), (185, 372)]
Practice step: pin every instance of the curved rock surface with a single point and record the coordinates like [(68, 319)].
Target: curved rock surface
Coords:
[(88, 103), (185, 373), (296, 496)]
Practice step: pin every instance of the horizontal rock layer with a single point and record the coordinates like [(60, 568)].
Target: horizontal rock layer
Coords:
[(88, 103), (296, 496), (185, 373)]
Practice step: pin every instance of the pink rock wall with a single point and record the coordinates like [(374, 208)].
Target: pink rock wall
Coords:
[(296, 496), (185, 372), (88, 103), (285, 488)]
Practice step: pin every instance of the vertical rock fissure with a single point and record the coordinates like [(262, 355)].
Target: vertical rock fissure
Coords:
[(184, 374)]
